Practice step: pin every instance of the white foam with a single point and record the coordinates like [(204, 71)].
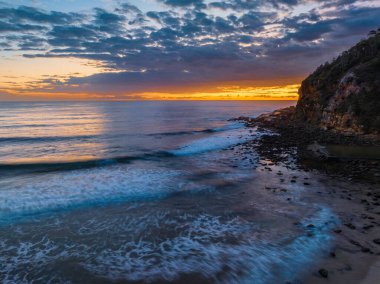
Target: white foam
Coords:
[(221, 250), (216, 141), (85, 187), (210, 246)]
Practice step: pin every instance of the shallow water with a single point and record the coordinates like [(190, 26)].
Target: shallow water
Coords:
[(146, 192)]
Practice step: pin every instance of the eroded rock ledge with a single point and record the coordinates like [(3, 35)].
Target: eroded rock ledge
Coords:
[(338, 109), (308, 144)]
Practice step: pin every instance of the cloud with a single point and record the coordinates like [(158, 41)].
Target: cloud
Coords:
[(195, 43), (25, 13), (249, 5), (344, 23), (8, 27), (108, 22), (183, 3)]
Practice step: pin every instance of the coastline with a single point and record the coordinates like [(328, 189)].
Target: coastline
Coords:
[(308, 145), (351, 188)]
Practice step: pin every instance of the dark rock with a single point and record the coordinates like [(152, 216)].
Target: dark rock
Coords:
[(323, 272), (376, 241), (351, 226), (356, 243), (364, 249), (367, 227), (347, 267)]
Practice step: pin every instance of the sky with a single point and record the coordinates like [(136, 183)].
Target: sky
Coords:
[(172, 49)]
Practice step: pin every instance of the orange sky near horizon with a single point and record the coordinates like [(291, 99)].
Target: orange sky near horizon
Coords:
[(23, 79), (285, 92)]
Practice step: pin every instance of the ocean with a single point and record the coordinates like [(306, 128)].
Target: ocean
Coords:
[(132, 192)]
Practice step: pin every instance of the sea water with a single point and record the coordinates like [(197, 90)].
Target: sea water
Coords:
[(94, 192)]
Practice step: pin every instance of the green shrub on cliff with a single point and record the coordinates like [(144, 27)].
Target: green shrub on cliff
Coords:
[(345, 93), (366, 107)]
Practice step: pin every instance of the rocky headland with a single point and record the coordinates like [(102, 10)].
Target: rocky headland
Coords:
[(332, 136), (335, 125), (297, 155)]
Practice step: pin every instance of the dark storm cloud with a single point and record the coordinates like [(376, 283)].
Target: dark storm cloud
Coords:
[(190, 44)]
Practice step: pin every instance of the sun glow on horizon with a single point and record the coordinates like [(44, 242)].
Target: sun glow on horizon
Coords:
[(277, 92), (284, 92), (20, 75), (27, 79)]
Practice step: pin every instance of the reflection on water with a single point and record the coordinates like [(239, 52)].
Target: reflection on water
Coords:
[(154, 192), (49, 132), (88, 130)]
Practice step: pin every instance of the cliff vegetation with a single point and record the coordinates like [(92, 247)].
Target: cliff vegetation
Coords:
[(344, 95)]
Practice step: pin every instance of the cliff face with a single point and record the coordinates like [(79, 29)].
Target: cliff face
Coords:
[(344, 95)]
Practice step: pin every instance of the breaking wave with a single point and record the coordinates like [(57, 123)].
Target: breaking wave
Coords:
[(217, 141), (80, 188)]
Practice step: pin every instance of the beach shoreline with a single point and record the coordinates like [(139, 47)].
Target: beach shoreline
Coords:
[(310, 146), (353, 195)]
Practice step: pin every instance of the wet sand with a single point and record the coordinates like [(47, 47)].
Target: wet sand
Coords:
[(354, 256), (352, 194), (373, 274)]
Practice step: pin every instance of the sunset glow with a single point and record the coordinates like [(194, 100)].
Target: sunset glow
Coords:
[(288, 92), (169, 49), (189, 141)]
